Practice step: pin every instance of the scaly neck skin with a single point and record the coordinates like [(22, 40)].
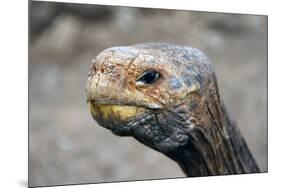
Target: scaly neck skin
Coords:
[(218, 150)]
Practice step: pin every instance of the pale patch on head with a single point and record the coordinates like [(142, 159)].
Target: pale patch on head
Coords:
[(123, 53), (175, 83)]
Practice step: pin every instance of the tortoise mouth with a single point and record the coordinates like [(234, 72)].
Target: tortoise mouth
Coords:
[(106, 114)]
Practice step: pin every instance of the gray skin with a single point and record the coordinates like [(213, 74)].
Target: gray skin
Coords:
[(180, 114)]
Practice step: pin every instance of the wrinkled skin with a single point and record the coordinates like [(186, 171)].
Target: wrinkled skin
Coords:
[(179, 114)]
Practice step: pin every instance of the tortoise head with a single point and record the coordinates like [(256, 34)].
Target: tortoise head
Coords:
[(154, 92), (166, 96)]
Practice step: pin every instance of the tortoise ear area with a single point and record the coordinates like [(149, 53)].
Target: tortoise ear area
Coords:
[(193, 83)]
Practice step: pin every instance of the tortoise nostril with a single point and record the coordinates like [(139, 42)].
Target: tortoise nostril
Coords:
[(93, 70), (111, 67), (107, 69)]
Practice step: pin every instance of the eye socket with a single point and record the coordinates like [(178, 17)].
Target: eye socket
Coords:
[(148, 77)]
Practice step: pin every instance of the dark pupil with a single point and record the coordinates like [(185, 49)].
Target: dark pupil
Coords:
[(149, 77)]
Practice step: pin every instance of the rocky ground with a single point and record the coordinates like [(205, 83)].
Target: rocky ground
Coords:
[(66, 146)]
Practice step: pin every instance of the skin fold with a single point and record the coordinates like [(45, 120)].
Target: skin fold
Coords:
[(166, 96)]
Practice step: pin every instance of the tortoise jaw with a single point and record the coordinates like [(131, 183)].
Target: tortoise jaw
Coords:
[(119, 113)]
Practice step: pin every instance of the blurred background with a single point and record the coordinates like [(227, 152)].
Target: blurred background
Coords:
[(66, 146)]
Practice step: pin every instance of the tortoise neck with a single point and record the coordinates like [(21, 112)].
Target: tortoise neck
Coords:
[(217, 151)]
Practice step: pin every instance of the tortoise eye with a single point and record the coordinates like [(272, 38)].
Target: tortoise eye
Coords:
[(148, 77)]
